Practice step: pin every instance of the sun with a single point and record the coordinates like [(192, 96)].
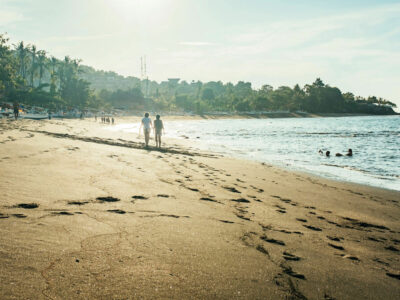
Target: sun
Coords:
[(142, 12)]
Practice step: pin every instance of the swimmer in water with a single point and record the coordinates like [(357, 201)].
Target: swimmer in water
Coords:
[(349, 153)]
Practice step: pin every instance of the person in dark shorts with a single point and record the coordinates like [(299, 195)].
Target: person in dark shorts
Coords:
[(158, 128), (16, 110)]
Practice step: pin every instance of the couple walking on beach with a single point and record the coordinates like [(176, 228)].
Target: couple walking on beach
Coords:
[(157, 126)]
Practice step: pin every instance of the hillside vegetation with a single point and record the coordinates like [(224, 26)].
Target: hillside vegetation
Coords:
[(32, 77)]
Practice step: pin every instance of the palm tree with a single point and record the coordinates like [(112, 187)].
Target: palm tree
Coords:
[(33, 62), (54, 63), (41, 64), (22, 53)]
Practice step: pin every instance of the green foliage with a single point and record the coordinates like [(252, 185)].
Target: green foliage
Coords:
[(28, 76)]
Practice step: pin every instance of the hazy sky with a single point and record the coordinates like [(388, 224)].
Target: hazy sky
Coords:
[(354, 45)]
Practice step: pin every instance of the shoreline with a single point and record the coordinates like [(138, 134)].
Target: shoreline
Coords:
[(201, 143), (176, 116), (89, 213)]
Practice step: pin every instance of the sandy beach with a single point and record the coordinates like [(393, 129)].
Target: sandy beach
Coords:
[(87, 213)]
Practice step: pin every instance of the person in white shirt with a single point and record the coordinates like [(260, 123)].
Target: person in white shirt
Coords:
[(147, 127)]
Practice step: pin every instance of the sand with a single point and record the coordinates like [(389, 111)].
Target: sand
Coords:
[(87, 213)]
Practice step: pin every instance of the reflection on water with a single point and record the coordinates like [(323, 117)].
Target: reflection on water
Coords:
[(295, 142)]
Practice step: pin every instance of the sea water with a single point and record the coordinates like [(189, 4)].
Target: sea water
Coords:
[(294, 143)]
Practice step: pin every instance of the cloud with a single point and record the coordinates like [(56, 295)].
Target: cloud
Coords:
[(196, 44), (77, 38), (9, 17)]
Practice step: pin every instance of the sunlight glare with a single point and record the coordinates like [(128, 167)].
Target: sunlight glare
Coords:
[(142, 12)]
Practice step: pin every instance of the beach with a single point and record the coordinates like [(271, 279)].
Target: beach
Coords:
[(88, 213)]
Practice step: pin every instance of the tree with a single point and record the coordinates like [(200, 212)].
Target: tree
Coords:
[(34, 66), (41, 64), (22, 53), (8, 70), (53, 75), (207, 94)]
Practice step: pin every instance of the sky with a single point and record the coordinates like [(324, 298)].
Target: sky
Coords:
[(353, 45)]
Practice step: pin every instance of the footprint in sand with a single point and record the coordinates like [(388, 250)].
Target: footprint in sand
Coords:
[(301, 220), (310, 207), (312, 228), (20, 216), (139, 197), (351, 257), (208, 199), (28, 205), (241, 216), (172, 216), (281, 209), (393, 275), (3, 216), (231, 189), (288, 270), (392, 248), (272, 241), (288, 256), (77, 202), (63, 213), (334, 238), (226, 221), (117, 211), (163, 196), (107, 199), (336, 246), (241, 200)]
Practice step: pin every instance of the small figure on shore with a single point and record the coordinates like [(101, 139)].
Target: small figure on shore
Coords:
[(95, 118), (147, 126), (158, 128), (16, 110), (49, 114), (112, 120)]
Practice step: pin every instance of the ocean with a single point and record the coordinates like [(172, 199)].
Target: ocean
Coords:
[(294, 143)]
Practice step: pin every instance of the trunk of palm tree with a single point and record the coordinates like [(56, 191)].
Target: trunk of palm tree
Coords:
[(53, 63), (22, 52), (41, 64), (33, 63)]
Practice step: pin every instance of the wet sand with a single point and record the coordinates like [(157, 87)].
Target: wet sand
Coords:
[(87, 213)]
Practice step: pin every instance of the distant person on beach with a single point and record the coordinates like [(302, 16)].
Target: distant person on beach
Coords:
[(112, 120), (147, 126), (95, 118), (16, 110), (158, 128)]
